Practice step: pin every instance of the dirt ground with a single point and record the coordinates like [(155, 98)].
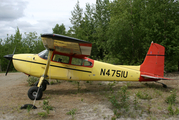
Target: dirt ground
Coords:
[(91, 102)]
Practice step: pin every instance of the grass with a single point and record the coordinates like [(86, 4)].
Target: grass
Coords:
[(143, 95), (72, 112), (126, 101), (43, 114), (133, 102), (47, 108), (172, 98)]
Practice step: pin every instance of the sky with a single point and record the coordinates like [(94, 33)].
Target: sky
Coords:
[(36, 15)]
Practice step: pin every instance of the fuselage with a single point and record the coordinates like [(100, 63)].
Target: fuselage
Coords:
[(65, 67)]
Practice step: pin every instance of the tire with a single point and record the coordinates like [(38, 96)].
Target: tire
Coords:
[(33, 92), (43, 85)]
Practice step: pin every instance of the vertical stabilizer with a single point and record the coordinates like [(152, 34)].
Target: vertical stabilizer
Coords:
[(153, 64)]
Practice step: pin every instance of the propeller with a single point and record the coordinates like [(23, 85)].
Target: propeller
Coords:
[(9, 57)]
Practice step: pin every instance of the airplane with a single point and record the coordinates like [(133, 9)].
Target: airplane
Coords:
[(66, 58)]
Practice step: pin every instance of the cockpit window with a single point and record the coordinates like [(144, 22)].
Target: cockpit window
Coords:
[(87, 63), (61, 58), (77, 61), (81, 62), (44, 54)]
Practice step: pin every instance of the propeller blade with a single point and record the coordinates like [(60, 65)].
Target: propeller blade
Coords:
[(9, 57), (7, 70)]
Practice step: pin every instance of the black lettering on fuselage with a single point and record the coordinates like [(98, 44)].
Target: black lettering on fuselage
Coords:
[(103, 71), (117, 73), (125, 76)]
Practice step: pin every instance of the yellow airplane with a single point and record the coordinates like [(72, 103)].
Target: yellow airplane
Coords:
[(66, 58)]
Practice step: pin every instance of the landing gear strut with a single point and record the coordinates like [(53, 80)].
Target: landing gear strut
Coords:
[(43, 85)]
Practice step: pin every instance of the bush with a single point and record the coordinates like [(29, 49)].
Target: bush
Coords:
[(172, 98), (42, 114), (31, 80), (144, 96), (46, 106)]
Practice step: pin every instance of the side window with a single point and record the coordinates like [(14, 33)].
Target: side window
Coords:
[(61, 58), (43, 54), (77, 61), (87, 63)]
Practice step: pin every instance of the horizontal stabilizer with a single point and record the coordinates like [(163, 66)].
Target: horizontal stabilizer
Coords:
[(155, 77)]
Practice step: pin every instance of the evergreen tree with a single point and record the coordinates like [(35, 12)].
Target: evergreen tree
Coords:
[(76, 20), (59, 29)]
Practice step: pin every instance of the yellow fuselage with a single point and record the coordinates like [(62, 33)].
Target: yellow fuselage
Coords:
[(34, 65)]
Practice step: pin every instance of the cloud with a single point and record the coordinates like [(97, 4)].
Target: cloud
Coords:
[(11, 10), (35, 15)]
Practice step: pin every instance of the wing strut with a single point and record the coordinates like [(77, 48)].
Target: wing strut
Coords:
[(46, 68)]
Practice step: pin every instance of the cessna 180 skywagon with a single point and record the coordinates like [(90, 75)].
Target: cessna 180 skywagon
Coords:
[(65, 58)]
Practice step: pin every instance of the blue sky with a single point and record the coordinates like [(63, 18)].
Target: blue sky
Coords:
[(36, 15)]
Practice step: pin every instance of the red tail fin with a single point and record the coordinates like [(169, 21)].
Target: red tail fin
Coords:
[(153, 64)]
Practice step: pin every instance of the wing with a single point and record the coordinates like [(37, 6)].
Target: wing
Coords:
[(67, 45)]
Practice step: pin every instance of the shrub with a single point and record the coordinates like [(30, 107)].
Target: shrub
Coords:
[(46, 106), (144, 96), (31, 80), (42, 114), (72, 112), (172, 98)]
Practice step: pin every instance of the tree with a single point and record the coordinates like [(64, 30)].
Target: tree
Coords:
[(29, 43), (76, 20), (134, 24), (125, 40), (32, 43), (102, 19), (161, 25), (59, 29)]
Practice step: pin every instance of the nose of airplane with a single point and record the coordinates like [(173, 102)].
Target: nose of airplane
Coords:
[(9, 57)]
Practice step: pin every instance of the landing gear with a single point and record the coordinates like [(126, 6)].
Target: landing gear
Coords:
[(35, 93), (44, 85), (164, 86)]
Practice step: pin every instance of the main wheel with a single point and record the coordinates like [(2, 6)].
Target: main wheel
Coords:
[(35, 93), (43, 85)]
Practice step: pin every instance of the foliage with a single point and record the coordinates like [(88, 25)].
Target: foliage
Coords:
[(120, 101), (24, 43), (59, 29), (144, 96), (120, 30), (42, 114), (72, 112), (135, 103), (31, 80), (124, 96), (111, 85), (171, 111), (46, 106), (172, 98), (28, 108)]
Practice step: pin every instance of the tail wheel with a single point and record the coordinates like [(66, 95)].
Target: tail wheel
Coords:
[(35, 92), (43, 85)]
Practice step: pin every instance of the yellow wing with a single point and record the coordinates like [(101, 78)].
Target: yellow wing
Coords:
[(67, 45)]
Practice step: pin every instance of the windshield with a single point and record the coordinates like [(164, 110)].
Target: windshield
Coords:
[(43, 54)]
